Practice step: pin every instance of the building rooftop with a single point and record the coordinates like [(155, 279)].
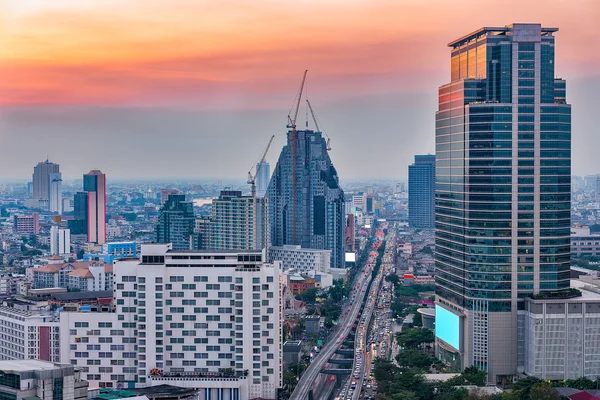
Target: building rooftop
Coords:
[(91, 295), (165, 391), (492, 29), (24, 313), (17, 366)]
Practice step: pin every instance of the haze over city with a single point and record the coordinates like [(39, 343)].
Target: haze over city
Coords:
[(194, 90)]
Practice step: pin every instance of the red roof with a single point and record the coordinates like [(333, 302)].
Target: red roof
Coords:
[(583, 396)]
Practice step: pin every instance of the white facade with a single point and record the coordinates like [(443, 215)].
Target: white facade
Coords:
[(60, 241), (28, 335), (196, 313), (304, 261), (55, 200), (101, 345)]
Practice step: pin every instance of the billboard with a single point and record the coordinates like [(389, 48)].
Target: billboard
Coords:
[(447, 326)]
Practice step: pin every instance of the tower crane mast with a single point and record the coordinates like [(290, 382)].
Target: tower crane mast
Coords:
[(252, 178)]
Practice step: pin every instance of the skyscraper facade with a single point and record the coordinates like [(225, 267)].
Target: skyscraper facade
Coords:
[(306, 202), (503, 138), (55, 202), (94, 183), (176, 222), (237, 223), (42, 179), (78, 225), (262, 180), (421, 192)]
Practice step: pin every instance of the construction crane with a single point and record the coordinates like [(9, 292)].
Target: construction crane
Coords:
[(328, 144), (292, 125), (252, 178)]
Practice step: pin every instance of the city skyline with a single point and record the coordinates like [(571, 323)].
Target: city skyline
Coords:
[(361, 82)]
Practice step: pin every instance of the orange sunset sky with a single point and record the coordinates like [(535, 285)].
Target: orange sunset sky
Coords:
[(95, 59)]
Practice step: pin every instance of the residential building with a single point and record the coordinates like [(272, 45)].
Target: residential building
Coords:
[(94, 183), (204, 319), (237, 223), (60, 241), (304, 261), (262, 179), (421, 192), (503, 139), (41, 179), (27, 223), (176, 222), (75, 276), (40, 380), (306, 202), (28, 335), (112, 251)]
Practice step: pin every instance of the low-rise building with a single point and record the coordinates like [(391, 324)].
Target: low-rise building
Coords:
[(28, 335), (40, 380), (584, 243), (76, 276)]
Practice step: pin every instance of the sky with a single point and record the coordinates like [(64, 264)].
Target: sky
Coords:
[(161, 89)]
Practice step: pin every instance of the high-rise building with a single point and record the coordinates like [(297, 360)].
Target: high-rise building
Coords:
[(306, 202), (262, 180), (60, 241), (41, 179), (94, 183), (503, 139), (55, 192), (29, 335), (213, 318), (176, 222), (79, 224), (237, 223), (421, 192)]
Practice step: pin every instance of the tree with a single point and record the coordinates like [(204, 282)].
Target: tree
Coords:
[(413, 338), (289, 378), (474, 376), (80, 254), (416, 359), (308, 296), (543, 391), (296, 368)]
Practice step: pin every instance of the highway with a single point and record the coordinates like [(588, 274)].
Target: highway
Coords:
[(306, 382)]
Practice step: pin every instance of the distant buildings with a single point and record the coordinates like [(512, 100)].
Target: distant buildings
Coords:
[(236, 223), (421, 192), (75, 276), (165, 193), (42, 179), (94, 183), (262, 180), (503, 192), (27, 224), (306, 203), (584, 243), (55, 200), (176, 222), (79, 224), (60, 241)]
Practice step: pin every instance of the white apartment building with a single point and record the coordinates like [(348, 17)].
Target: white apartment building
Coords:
[(204, 319), (28, 335), (60, 241), (307, 262)]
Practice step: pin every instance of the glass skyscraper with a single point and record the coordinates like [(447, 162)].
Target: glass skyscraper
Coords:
[(305, 200), (176, 222), (421, 190), (503, 177)]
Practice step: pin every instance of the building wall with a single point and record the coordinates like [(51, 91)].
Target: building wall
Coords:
[(28, 335), (304, 261), (421, 192)]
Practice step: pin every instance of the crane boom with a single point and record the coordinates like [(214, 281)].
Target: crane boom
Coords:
[(252, 178), (328, 144), (292, 121)]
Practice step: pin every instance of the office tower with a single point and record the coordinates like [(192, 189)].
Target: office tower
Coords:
[(94, 183), (421, 192), (27, 223), (262, 180), (60, 241), (306, 203), (237, 223), (55, 194), (176, 222), (165, 193), (79, 224), (503, 137), (213, 317), (41, 179)]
